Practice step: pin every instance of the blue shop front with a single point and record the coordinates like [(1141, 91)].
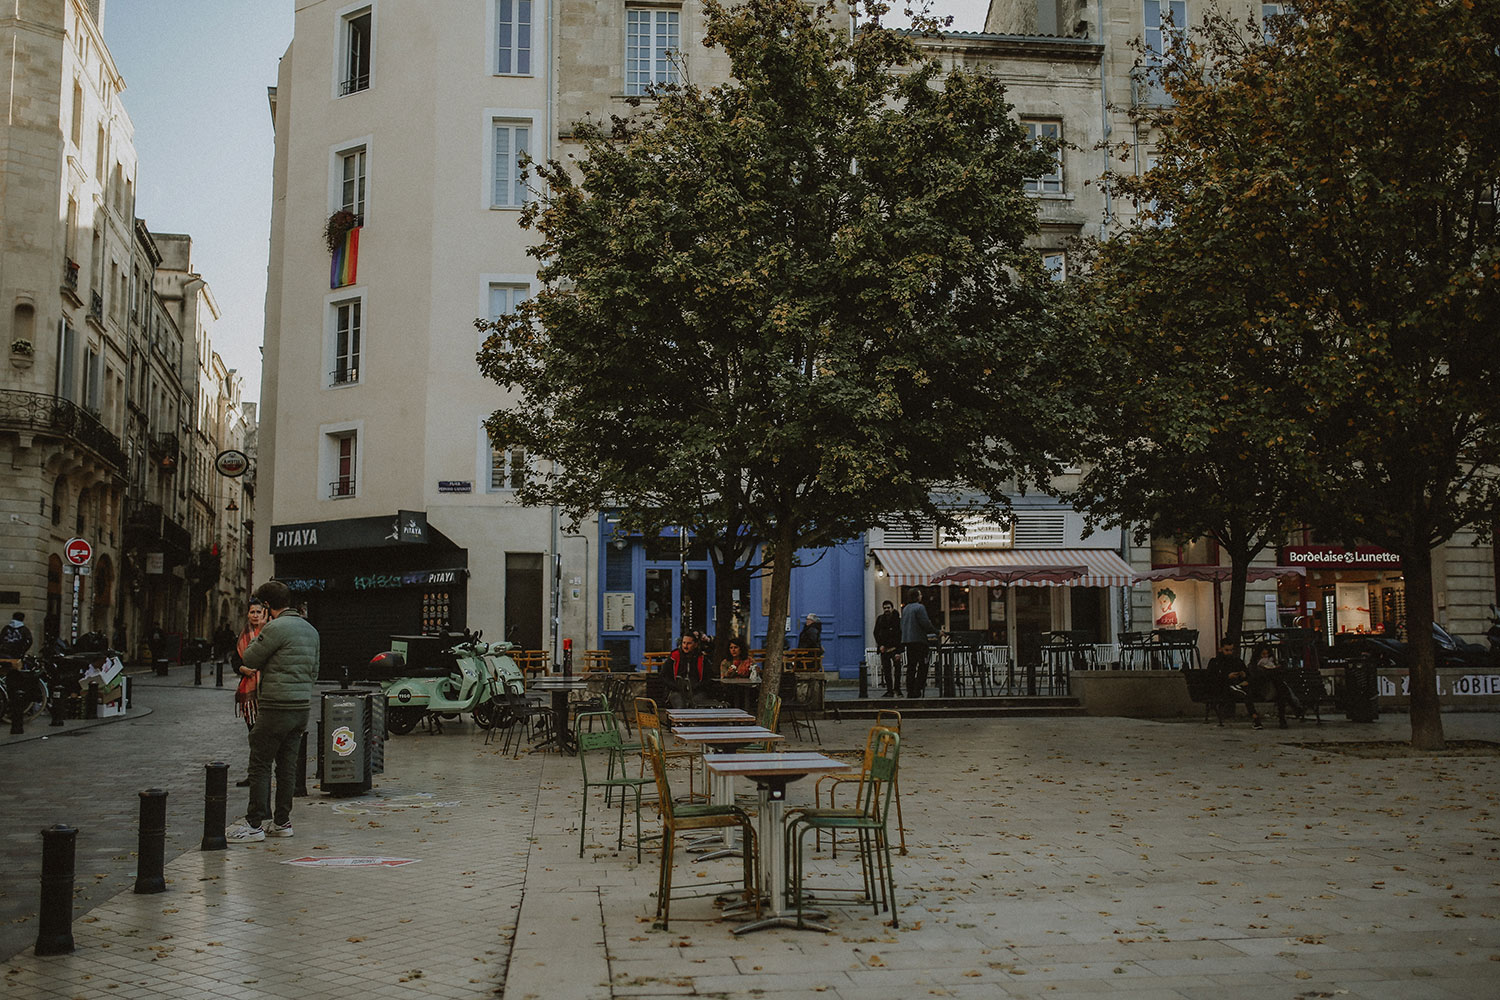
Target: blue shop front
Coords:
[(655, 588)]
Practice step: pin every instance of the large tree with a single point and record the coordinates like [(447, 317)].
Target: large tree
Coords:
[(1336, 184), (795, 303)]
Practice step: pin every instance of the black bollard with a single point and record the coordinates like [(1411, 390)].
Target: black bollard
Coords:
[(152, 845), (17, 704), (864, 679), (301, 789), (59, 707), (215, 799), (54, 926), (197, 673), (219, 673), (91, 707)]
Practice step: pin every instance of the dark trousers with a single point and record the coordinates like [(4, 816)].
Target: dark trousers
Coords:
[(890, 670), (916, 669), (275, 740)]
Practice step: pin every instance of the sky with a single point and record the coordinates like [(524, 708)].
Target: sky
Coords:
[(195, 87)]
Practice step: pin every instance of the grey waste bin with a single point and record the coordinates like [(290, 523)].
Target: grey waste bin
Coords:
[(348, 742), (1361, 690)]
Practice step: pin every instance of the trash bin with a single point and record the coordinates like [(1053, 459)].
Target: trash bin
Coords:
[(1361, 690), (346, 742)]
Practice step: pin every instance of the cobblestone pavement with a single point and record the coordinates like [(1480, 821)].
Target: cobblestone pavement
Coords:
[(1048, 858)]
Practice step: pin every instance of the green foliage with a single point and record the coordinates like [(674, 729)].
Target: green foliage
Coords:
[(1322, 221)]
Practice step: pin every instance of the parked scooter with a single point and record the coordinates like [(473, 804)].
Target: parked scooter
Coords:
[(1493, 633), (466, 676)]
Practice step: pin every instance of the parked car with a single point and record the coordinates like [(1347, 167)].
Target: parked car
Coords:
[(1388, 651)]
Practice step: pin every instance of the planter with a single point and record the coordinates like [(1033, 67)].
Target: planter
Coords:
[(21, 361)]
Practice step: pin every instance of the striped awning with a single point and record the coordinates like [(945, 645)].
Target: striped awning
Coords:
[(1028, 567)]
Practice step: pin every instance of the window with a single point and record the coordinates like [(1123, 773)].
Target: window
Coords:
[(1161, 36), (351, 179), (1055, 262), (77, 127), (1269, 12), (651, 44), (513, 37), (509, 468), (357, 46), (348, 341), (505, 298), (512, 140), (1040, 132), (343, 454)]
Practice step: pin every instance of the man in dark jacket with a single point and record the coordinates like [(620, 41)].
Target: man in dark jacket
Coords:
[(916, 627), (1232, 679), (685, 672), (286, 654), (15, 639), (888, 644)]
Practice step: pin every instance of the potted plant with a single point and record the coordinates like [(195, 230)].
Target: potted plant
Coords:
[(337, 227)]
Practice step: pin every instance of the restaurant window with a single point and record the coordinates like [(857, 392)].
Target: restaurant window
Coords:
[(1176, 552)]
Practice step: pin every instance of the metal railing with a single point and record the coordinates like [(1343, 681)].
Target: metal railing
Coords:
[(96, 307), (36, 411), (343, 376), (341, 488), (354, 84), (70, 275)]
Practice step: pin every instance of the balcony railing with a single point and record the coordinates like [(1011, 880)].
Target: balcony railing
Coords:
[(35, 411), (70, 275), (165, 450), (354, 84), (343, 376), (343, 487), (96, 307)]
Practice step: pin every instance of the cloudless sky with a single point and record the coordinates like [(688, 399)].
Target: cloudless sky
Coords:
[(195, 86)]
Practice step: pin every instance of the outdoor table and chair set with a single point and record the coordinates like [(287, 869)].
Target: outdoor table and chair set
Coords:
[(710, 822)]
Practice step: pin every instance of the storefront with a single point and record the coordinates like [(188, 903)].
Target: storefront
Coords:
[(366, 579), (1008, 597), (1356, 589), (656, 588)]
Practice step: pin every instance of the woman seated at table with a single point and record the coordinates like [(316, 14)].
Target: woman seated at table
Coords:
[(738, 663)]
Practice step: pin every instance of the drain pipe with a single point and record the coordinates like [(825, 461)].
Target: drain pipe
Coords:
[(1104, 114)]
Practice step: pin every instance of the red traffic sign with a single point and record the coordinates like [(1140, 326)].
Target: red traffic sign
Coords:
[(78, 552)]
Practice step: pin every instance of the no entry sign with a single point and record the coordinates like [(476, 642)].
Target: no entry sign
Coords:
[(78, 552)]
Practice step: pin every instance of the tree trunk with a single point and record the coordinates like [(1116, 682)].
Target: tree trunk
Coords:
[(1426, 711), (781, 599), (1234, 622)]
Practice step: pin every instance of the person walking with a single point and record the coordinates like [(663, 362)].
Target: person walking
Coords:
[(916, 628), (888, 644), (286, 653), (247, 692)]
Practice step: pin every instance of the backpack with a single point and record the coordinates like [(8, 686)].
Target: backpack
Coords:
[(13, 640)]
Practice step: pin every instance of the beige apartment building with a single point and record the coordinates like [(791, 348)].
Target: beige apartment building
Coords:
[(100, 383)]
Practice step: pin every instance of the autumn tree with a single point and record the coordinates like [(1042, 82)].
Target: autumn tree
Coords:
[(1322, 214), (793, 303)]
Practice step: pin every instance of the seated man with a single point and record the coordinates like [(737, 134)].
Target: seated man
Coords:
[(685, 674), (1233, 680)]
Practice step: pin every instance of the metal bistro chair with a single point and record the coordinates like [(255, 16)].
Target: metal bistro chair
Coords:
[(799, 711), (647, 721), (885, 718), (607, 741), (868, 817), (679, 818)]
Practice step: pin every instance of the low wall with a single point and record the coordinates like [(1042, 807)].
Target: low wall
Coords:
[(1162, 694)]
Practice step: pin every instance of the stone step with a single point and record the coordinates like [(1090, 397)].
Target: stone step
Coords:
[(966, 708)]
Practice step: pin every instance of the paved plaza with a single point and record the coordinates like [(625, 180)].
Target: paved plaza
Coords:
[(1047, 858)]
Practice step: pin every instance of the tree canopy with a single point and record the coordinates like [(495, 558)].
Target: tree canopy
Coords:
[(797, 301), (1321, 221)]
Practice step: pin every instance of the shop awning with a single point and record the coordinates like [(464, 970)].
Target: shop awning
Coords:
[(1219, 573), (1016, 567)]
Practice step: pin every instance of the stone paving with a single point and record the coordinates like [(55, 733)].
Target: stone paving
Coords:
[(1048, 858)]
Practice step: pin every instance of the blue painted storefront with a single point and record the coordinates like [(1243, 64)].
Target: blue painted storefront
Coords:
[(652, 589)]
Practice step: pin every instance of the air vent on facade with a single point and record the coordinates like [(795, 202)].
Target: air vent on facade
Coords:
[(901, 533), (1040, 529)]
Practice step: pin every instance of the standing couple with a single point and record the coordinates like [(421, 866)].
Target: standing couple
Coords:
[(908, 633)]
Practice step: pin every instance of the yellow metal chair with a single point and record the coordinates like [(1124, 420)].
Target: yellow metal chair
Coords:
[(885, 718), (679, 818)]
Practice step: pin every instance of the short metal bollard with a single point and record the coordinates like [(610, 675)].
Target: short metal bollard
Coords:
[(91, 707), (864, 679), (17, 704), (218, 673), (59, 707), (161, 666), (301, 789), (215, 800), (152, 845), (198, 673), (54, 926)]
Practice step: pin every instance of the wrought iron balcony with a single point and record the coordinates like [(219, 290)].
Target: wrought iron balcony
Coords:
[(70, 275), (96, 307), (34, 411), (165, 450), (343, 376), (342, 487)]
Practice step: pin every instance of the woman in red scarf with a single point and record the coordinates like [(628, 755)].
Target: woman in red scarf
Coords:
[(245, 695)]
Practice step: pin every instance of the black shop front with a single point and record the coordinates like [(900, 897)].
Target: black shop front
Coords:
[(365, 579)]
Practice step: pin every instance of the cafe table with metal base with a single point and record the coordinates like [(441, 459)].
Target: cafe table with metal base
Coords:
[(560, 687), (772, 772), (708, 717), (726, 739)]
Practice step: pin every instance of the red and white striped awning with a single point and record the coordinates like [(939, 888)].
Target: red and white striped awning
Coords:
[(1016, 567)]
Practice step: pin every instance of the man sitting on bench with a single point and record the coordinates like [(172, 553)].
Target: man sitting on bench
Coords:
[(1233, 681)]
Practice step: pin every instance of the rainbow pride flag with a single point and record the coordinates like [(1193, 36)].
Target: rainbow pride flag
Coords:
[(345, 265)]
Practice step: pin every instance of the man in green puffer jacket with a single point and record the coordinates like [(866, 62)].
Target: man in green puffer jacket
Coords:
[(286, 654)]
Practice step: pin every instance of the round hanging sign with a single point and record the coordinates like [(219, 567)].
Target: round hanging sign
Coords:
[(232, 463)]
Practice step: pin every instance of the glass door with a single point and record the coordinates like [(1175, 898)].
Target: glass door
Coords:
[(676, 601)]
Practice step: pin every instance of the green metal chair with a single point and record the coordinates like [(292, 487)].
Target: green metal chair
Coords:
[(868, 818), (607, 741), (683, 817)]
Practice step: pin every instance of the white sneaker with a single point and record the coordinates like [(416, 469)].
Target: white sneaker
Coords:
[(271, 829), (243, 833)]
